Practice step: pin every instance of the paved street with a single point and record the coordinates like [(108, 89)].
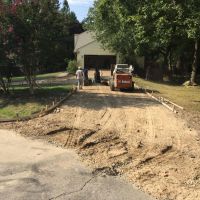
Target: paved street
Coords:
[(33, 170)]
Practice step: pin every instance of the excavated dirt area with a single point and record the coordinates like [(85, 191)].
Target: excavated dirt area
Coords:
[(128, 134)]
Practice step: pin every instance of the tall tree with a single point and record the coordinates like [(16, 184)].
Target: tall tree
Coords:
[(36, 35), (154, 29), (65, 8), (6, 46), (193, 30)]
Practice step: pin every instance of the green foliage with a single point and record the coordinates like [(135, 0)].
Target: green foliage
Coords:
[(152, 28), (36, 35), (72, 66)]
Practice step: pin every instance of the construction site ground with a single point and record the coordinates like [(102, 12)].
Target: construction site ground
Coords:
[(126, 134)]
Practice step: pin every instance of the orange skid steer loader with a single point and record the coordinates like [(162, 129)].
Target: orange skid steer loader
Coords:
[(121, 77)]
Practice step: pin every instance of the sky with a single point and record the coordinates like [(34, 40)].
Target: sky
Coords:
[(80, 7)]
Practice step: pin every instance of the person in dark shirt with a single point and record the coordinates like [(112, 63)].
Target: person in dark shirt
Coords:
[(97, 76)]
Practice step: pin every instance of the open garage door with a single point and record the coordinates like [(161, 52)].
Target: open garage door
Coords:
[(102, 62)]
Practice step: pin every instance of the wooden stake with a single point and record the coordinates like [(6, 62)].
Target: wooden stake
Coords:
[(164, 104)]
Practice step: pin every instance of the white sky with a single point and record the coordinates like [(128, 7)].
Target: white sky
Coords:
[(80, 2), (80, 7)]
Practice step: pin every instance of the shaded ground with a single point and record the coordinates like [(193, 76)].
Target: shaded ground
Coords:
[(126, 134), (41, 76), (20, 103)]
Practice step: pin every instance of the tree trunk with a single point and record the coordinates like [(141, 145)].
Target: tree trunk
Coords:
[(3, 85), (30, 84), (147, 72), (165, 65), (148, 63), (30, 79), (170, 67), (194, 65), (179, 62)]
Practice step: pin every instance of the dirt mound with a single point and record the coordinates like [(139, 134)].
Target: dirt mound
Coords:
[(126, 134), (154, 168)]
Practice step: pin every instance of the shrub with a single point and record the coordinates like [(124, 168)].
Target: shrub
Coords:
[(72, 66)]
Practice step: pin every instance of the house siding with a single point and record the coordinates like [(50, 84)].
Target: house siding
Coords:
[(85, 44), (93, 48)]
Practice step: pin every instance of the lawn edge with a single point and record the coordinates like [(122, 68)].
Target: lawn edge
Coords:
[(41, 114)]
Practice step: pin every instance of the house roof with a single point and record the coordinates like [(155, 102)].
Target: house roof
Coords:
[(83, 39)]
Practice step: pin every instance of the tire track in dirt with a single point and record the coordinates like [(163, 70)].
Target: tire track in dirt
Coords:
[(114, 113), (81, 113), (106, 121), (68, 138), (124, 113), (151, 126)]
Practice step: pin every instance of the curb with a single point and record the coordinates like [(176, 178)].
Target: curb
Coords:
[(40, 114)]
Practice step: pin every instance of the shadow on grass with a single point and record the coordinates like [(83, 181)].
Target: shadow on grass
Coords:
[(21, 102), (44, 90), (48, 82), (176, 81)]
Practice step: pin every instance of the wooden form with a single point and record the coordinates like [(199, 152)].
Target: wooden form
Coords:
[(164, 102)]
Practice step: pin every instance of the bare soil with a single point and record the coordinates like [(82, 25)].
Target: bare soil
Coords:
[(126, 134)]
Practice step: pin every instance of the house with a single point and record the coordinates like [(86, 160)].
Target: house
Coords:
[(91, 54)]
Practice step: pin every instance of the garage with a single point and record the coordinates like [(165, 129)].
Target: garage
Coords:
[(101, 62), (90, 53)]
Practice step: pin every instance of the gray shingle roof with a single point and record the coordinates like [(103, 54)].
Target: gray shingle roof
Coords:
[(83, 39)]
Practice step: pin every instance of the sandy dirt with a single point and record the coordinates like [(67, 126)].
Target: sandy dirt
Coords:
[(126, 134)]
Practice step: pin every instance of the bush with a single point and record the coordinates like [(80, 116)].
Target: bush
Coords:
[(72, 66)]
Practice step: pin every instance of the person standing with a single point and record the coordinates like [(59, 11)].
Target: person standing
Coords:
[(131, 69), (85, 78), (79, 77), (97, 76)]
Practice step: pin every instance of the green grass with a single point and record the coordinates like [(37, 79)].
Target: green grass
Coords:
[(22, 104), (38, 77), (188, 97)]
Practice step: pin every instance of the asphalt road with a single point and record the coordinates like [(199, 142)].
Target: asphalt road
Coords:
[(34, 170)]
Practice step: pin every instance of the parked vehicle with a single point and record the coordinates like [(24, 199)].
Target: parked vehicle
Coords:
[(122, 77)]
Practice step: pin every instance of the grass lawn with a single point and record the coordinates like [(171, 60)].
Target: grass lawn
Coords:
[(40, 76), (188, 97), (22, 104)]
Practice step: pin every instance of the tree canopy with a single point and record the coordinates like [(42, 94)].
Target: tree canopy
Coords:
[(151, 28), (36, 35)]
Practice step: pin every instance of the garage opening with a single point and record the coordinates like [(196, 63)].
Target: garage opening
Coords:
[(101, 62)]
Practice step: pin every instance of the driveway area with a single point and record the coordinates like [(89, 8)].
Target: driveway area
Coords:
[(116, 134), (34, 170)]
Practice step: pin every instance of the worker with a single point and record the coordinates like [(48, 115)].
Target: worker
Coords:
[(131, 69), (97, 75), (115, 70), (112, 69), (85, 78), (79, 77)]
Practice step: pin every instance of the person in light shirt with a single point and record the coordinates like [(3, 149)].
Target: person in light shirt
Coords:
[(80, 77), (131, 69)]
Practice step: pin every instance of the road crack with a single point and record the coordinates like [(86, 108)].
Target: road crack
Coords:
[(76, 191)]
